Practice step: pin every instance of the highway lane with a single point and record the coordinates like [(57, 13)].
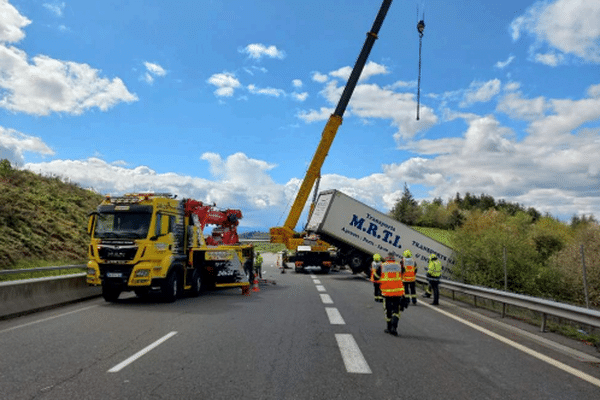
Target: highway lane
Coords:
[(279, 343)]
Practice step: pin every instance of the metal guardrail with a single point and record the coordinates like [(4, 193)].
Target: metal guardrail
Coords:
[(40, 269), (544, 307)]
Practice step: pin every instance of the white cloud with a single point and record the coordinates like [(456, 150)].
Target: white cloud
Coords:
[(370, 69), (562, 27), (55, 8), (13, 144), (504, 64), (297, 83), (152, 70), (266, 91), (300, 96), (481, 92), (315, 115), (11, 23), (259, 50), (515, 106), (48, 85), (319, 77), (225, 82), (239, 182)]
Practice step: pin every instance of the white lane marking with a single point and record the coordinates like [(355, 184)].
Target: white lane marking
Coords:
[(335, 318), (326, 299), (140, 353), (47, 319), (551, 361), (316, 281), (353, 359), (321, 288), (313, 276)]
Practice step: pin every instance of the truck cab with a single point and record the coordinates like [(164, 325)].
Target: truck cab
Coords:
[(147, 243)]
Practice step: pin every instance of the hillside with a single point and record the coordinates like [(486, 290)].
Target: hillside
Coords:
[(42, 219)]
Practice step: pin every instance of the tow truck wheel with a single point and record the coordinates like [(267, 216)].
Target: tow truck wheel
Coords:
[(196, 283), (170, 288), (110, 294)]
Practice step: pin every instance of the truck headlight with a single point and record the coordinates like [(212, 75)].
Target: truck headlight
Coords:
[(142, 273)]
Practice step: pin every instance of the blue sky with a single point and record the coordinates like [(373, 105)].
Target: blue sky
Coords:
[(225, 102)]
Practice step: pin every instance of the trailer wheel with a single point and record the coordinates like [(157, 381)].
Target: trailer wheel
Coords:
[(356, 262), (110, 294), (170, 287), (196, 283)]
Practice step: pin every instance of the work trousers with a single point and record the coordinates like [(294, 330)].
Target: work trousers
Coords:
[(377, 292), (392, 306), (258, 270), (410, 291), (434, 283)]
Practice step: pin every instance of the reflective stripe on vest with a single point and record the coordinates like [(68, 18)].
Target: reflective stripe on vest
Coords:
[(409, 273), (391, 280)]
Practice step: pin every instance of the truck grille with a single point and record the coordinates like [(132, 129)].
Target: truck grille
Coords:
[(108, 251)]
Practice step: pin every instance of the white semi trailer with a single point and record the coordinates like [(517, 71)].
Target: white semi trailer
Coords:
[(359, 231)]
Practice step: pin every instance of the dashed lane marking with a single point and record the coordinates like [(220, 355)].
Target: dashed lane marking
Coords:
[(140, 353), (353, 359), (321, 288), (316, 281), (326, 299), (335, 318)]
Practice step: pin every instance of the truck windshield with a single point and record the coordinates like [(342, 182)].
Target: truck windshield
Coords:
[(130, 225)]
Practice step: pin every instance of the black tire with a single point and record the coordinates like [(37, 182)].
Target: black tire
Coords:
[(325, 270), (110, 294), (356, 263), (196, 283), (170, 287)]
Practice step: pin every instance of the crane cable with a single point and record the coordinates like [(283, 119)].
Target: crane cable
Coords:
[(420, 29)]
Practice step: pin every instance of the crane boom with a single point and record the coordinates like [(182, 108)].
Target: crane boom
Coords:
[(285, 234)]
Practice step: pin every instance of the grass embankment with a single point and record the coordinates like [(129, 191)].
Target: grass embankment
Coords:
[(43, 221)]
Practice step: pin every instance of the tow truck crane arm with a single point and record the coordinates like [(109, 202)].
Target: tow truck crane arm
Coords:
[(226, 220), (285, 234)]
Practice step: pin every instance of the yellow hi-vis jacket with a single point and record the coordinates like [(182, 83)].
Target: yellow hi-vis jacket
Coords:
[(435, 268), (390, 281), (410, 271)]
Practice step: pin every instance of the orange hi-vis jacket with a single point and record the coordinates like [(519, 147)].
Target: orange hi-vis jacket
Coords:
[(390, 281), (410, 272)]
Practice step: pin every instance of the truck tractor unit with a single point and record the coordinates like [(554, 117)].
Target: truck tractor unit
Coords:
[(154, 243)]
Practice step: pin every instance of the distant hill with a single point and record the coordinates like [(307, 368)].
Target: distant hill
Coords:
[(42, 218)]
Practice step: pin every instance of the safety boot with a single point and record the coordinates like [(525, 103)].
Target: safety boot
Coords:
[(394, 322), (389, 328)]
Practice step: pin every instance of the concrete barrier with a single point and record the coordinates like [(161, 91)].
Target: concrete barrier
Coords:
[(23, 296)]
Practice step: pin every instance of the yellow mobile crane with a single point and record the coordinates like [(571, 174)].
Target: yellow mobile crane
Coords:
[(317, 254)]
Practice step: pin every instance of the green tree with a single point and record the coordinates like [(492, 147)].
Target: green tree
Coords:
[(406, 210)]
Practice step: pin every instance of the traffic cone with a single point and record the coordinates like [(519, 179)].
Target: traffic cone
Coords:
[(255, 287)]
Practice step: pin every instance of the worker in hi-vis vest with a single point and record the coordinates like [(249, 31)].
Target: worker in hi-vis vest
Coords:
[(434, 273), (376, 290), (410, 276), (389, 276)]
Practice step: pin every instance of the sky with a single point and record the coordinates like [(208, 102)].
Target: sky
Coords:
[(225, 102)]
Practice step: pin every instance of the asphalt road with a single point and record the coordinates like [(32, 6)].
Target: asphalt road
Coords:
[(302, 336)]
